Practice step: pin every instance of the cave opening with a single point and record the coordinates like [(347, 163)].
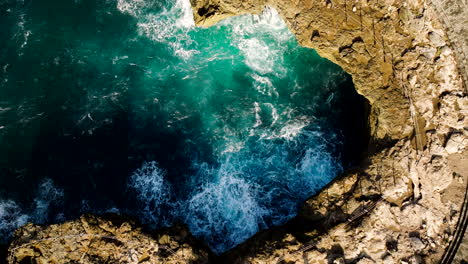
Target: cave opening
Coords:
[(226, 129)]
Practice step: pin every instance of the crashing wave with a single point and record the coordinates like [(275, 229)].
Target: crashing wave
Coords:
[(170, 26), (14, 215)]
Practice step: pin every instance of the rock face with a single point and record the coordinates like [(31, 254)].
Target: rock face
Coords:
[(111, 239), (401, 206), (412, 186)]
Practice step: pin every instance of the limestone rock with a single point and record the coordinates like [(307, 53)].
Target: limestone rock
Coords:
[(105, 239), (407, 60)]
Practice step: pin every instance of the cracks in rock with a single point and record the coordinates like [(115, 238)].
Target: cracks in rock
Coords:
[(451, 93), (336, 255), (208, 11), (348, 49), (315, 35), (357, 39)]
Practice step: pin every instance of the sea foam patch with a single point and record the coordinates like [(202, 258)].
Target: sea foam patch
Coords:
[(225, 210), (11, 217), (14, 214), (170, 26), (227, 129), (266, 150)]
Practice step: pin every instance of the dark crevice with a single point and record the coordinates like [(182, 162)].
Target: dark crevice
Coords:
[(208, 11)]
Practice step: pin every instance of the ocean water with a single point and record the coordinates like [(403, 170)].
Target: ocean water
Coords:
[(125, 106)]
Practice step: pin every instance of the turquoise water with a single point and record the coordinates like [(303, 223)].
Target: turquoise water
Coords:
[(124, 106)]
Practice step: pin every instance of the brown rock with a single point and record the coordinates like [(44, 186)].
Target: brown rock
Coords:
[(106, 239), (401, 59)]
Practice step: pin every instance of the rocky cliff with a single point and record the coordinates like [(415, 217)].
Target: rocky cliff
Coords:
[(104, 239), (401, 206), (407, 58)]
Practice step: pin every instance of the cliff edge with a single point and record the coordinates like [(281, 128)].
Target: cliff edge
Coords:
[(407, 58)]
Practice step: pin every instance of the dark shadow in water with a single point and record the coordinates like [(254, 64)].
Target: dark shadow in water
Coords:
[(94, 164)]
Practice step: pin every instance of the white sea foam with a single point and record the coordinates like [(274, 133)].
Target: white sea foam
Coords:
[(258, 120), (225, 210), (117, 58), (185, 19), (330, 98), (85, 206), (47, 194), (317, 168), (264, 85), (258, 173), (170, 26), (291, 130), (232, 199), (274, 113), (260, 56), (249, 187), (26, 37), (134, 7), (12, 215), (22, 33), (269, 20), (152, 190), (5, 109), (233, 146)]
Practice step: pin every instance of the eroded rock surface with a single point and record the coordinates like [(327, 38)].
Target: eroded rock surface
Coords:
[(108, 239), (412, 186)]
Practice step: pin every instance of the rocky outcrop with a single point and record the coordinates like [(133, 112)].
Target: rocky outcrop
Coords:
[(401, 206), (105, 239), (411, 187)]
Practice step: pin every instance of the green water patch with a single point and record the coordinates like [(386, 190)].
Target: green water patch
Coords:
[(125, 106)]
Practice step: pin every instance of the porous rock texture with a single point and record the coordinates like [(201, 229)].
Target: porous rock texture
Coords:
[(407, 58), (105, 239), (400, 206)]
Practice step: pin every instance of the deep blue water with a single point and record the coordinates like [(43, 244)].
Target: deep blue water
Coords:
[(124, 106)]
